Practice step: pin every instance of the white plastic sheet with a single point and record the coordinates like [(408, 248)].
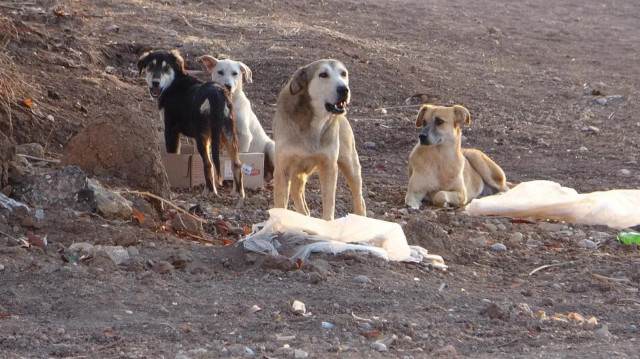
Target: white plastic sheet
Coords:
[(549, 200), (298, 236)]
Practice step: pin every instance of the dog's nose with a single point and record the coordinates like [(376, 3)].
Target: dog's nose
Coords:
[(343, 90), (228, 87), (423, 139)]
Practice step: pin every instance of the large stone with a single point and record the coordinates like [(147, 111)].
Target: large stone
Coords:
[(120, 148), (109, 204), (58, 189)]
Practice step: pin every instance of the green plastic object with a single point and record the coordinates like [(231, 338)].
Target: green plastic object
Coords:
[(629, 238)]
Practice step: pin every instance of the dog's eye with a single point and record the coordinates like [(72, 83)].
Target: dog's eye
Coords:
[(344, 74), (439, 121), (220, 72), (235, 73), (324, 75)]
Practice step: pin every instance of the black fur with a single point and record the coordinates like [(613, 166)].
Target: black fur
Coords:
[(181, 100)]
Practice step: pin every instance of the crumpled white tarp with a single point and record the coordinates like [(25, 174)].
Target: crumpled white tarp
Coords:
[(297, 236), (618, 208)]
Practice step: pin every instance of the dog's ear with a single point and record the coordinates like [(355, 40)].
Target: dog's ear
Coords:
[(246, 72), (421, 114), (143, 61), (299, 81), (179, 61), (462, 115), (210, 62)]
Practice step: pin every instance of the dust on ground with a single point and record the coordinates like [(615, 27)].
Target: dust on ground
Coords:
[(553, 94)]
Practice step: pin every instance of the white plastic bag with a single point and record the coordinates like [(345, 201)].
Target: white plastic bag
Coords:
[(548, 200)]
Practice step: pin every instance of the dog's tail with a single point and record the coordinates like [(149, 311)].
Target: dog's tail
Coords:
[(491, 173), (269, 159)]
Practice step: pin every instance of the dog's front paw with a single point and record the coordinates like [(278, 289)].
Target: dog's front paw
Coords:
[(207, 193), (412, 210)]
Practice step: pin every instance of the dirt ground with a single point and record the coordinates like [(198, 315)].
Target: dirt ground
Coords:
[(535, 76)]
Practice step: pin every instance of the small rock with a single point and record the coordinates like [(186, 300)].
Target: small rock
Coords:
[(448, 351), (625, 172), (379, 347), (110, 69), (479, 241), (588, 244), (550, 227), (633, 328), (578, 288), (362, 279), (516, 237), (133, 251), (491, 227), (604, 333), (125, 240), (366, 327), (501, 227), (109, 204), (236, 350), (117, 254), (493, 311), (583, 149), (1, 267), (163, 267), (601, 101), (300, 353), (369, 145), (498, 247), (521, 310), (533, 243), (315, 278)]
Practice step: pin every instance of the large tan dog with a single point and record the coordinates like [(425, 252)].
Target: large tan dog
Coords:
[(443, 171), (311, 132)]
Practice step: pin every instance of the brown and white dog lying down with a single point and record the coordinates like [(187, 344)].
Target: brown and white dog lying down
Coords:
[(188, 107), (312, 133), (440, 169)]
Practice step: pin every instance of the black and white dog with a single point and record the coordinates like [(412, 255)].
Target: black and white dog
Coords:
[(189, 107)]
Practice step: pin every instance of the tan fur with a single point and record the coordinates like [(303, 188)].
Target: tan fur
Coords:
[(307, 140), (441, 170)]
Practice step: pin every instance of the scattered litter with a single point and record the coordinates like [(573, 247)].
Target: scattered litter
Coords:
[(296, 236), (285, 338), (298, 307), (549, 200), (327, 325), (362, 279), (443, 286), (629, 238)]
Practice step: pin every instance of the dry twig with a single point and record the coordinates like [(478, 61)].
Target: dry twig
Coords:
[(147, 194), (550, 266)]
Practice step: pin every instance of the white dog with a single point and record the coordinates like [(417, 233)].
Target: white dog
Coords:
[(251, 135)]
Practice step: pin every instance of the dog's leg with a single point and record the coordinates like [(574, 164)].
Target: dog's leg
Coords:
[(298, 183), (490, 172), (204, 148), (413, 200), (328, 175), (281, 185), (236, 165), (269, 160), (350, 168), (172, 141), (449, 198)]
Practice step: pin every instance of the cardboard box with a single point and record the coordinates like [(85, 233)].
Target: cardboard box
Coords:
[(186, 170)]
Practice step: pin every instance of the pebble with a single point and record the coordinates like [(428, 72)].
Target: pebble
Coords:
[(556, 286), (369, 145), (366, 327), (534, 243), (362, 279), (133, 251), (498, 247), (550, 227), (501, 227), (602, 101), (633, 328), (491, 227), (1, 267), (379, 347), (625, 172), (583, 149), (516, 237), (603, 332), (588, 244), (51, 118), (300, 353)]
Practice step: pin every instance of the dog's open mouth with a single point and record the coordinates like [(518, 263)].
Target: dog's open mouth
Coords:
[(155, 91), (338, 108)]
